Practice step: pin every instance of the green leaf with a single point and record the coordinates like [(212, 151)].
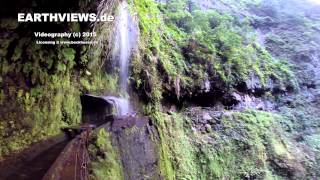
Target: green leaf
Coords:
[(17, 54), (62, 67), (68, 53)]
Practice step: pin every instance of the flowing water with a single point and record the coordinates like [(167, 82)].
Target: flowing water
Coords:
[(124, 42), (121, 105)]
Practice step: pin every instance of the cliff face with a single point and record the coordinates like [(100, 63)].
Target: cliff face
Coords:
[(243, 76), (230, 89), (294, 35)]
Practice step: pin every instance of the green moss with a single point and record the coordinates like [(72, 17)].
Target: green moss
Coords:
[(183, 154), (239, 150), (278, 147), (270, 176), (68, 53), (100, 83), (188, 46), (9, 23), (45, 95), (165, 163), (157, 45), (75, 27), (106, 166), (38, 112), (17, 54), (261, 119)]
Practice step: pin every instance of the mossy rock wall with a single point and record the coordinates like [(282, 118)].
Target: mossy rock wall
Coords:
[(206, 144), (41, 84)]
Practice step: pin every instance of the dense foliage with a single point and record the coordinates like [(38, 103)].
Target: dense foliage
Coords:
[(234, 51), (106, 164), (183, 46), (41, 84)]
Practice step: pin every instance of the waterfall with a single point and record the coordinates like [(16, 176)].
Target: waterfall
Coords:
[(121, 105), (124, 41)]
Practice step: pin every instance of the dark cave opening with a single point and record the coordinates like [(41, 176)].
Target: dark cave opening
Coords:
[(95, 110)]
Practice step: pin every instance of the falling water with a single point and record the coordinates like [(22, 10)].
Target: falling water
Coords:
[(124, 41), (121, 105), (123, 44)]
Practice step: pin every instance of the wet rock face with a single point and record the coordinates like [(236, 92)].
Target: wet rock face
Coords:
[(245, 101), (288, 167), (205, 121), (291, 38), (283, 156), (133, 138)]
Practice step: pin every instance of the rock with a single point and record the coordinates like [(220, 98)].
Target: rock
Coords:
[(218, 127), (88, 73), (137, 150), (206, 86), (252, 102), (173, 109), (208, 128), (219, 107), (253, 83), (202, 130), (206, 116), (304, 57), (177, 86), (289, 167), (237, 97)]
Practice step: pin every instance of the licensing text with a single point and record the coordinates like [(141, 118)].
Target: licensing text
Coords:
[(66, 42), (64, 17)]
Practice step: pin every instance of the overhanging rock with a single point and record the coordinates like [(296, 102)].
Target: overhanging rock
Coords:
[(95, 109)]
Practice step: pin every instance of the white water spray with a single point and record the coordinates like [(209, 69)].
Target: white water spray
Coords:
[(121, 105), (124, 42)]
